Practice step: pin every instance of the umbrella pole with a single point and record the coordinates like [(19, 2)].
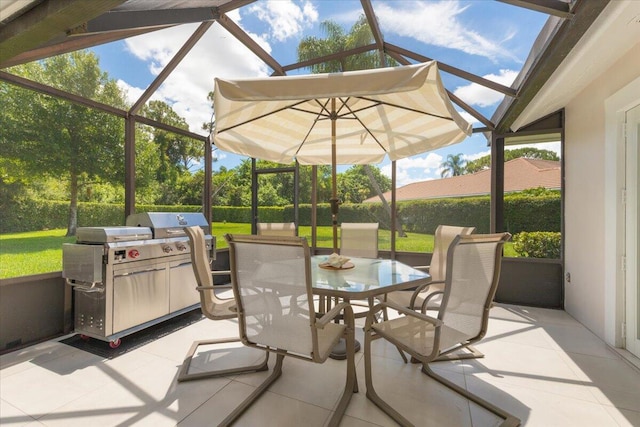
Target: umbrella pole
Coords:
[(334, 192)]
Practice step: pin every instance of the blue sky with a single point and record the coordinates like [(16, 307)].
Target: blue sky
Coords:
[(488, 38)]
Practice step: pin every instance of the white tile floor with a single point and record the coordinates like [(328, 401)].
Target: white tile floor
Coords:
[(540, 365)]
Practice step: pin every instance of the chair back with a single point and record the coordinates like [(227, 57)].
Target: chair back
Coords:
[(271, 278), (202, 270), (473, 271), (442, 239), (359, 239), (276, 228)]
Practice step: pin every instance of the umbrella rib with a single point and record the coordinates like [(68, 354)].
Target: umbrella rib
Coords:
[(365, 127), (403, 108), (318, 116), (288, 107)]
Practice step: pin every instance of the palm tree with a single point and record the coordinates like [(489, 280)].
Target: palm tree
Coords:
[(337, 41), (453, 166)]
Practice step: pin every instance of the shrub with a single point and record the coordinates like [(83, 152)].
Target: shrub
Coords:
[(538, 244)]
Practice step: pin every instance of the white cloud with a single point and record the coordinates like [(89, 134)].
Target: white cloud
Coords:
[(217, 54), (132, 94), (416, 168), (475, 94), (475, 156), (437, 23), (468, 117), (286, 18)]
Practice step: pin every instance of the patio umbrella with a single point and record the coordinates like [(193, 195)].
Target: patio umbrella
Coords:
[(348, 118)]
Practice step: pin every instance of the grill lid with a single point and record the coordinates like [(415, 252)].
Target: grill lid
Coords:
[(112, 234), (169, 224)]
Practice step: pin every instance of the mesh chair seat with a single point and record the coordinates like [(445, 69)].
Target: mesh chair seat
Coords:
[(282, 330), (224, 309), (417, 334)]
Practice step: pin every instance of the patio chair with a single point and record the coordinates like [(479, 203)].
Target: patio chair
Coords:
[(271, 278), (473, 270), (213, 308), (276, 228), (431, 293), (359, 239)]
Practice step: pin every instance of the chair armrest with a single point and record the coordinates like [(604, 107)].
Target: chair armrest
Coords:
[(202, 288), (419, 289), (220, 272), (425, 303), (371, 318), (334, 312)]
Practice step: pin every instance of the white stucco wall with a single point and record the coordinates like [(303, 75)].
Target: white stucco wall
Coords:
[(586, 175)]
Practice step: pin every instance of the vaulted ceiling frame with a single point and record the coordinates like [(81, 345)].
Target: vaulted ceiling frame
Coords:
[(553, 7), (168, 69), (58, 93), (70, 45), (251, 44), (43, 22), (555, 49), (120, 19), (330, 57), (163, 18), (481, 118), (505, 90), (557, 8), (89, 103), (372, 19)]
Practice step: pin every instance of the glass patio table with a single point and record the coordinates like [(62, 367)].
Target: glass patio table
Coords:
[(365, 278)]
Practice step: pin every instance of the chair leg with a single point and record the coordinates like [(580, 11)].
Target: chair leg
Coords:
[(240, 409), (509, 420), (184, 374), (351, 384), (404, 356), (372, 395), (474, 354)]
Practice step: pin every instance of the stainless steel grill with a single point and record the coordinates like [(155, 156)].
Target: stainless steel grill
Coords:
[(131, 277)]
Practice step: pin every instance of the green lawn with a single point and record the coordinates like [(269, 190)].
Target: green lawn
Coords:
[(35, 252)]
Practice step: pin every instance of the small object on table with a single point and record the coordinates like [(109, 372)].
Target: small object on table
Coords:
[(336, 262)]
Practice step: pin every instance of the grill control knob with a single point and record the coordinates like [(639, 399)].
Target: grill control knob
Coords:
[(133, 253), (167, 249), (181, 247)]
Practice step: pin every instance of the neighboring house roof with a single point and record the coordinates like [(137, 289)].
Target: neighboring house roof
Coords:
[(519, 174)]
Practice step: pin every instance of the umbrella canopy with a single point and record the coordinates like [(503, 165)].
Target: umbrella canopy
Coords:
[(399, 112), (356, 117)]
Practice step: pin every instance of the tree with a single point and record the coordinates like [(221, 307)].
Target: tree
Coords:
[(453, 166), (51, 137), (484, 162), (176, 152), (336, 40), (354, 184)]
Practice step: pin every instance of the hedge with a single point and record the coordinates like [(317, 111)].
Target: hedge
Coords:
[(522, 213), (538, 244)]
